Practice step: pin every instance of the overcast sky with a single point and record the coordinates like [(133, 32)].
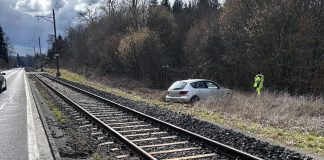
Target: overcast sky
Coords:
[(23, 29)]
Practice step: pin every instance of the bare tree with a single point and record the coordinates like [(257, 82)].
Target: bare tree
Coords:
[(91, 14), (228, 42), (109, 7)]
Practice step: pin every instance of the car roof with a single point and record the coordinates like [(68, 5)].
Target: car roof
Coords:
[(193, 80)]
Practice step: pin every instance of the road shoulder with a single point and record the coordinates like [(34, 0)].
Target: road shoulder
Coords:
[(38, 145)]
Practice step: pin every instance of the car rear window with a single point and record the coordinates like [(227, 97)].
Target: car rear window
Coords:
[(178, 85)]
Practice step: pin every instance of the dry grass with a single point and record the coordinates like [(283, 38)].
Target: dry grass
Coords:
[(117, 84), (127, 85), (277, 117), (279, 110)]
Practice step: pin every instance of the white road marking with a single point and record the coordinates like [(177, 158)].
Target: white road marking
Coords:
[(9, 100), (8, 76), (2, 105), (11, 74), (31, 142)]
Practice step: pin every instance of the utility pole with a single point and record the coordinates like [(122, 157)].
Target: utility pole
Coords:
[(34, 59), (40, 54), (56, 51), (35, 63)]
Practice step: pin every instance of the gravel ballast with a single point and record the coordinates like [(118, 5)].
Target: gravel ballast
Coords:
[(93, 105), (74, 142), (226, 136)]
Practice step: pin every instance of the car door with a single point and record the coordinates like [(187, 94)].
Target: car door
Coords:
[(202, 89), (213, 88)]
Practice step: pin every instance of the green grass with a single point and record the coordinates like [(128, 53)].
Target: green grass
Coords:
[(54, 108), (304, 140), (58, 114), (56, 111)]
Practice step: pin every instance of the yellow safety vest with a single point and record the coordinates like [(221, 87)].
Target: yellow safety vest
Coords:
[(258, 81)]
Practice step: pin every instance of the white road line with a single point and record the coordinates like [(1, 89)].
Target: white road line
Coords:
[(31, 142), (2, 105), (11, 74)]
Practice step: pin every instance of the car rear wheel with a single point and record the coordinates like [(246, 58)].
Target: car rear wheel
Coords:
[(194, 99), (5, 87)]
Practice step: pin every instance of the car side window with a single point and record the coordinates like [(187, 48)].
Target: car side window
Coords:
[(201, 84), (211, 84), (193, 85)]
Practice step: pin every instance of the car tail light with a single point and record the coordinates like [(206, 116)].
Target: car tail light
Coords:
[(182, 93)]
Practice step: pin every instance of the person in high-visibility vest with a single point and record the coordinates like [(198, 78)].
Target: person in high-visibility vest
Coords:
[(258, 82)]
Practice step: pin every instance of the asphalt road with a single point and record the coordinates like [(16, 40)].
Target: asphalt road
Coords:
[(13, 117)]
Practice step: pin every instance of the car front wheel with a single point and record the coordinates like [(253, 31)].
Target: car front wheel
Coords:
[(1, 88), (194, 99)]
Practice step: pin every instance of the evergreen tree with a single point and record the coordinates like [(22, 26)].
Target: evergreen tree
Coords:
[(3, 46), (177, 7), (60, 44), (203, 5), (18, 60), (214, 4), (166, 4), (153, 3)]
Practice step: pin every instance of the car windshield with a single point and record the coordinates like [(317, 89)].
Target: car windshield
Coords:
[(178, 85)]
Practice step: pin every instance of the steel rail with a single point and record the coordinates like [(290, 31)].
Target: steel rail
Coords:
[(217, 146), (101, 124)]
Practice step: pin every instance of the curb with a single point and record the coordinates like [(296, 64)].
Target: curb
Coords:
[(54, 149)]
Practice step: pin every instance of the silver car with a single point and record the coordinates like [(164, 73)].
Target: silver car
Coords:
[(3, 82), (193, 90)]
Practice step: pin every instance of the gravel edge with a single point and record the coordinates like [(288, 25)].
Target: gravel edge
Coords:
[(38, 98)]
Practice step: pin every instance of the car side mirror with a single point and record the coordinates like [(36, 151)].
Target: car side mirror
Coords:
[(3, 74)]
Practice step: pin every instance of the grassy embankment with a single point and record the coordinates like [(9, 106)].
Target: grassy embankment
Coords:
[(292, 121)]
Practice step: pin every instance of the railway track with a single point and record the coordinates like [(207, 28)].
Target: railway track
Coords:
[(145, 137)]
